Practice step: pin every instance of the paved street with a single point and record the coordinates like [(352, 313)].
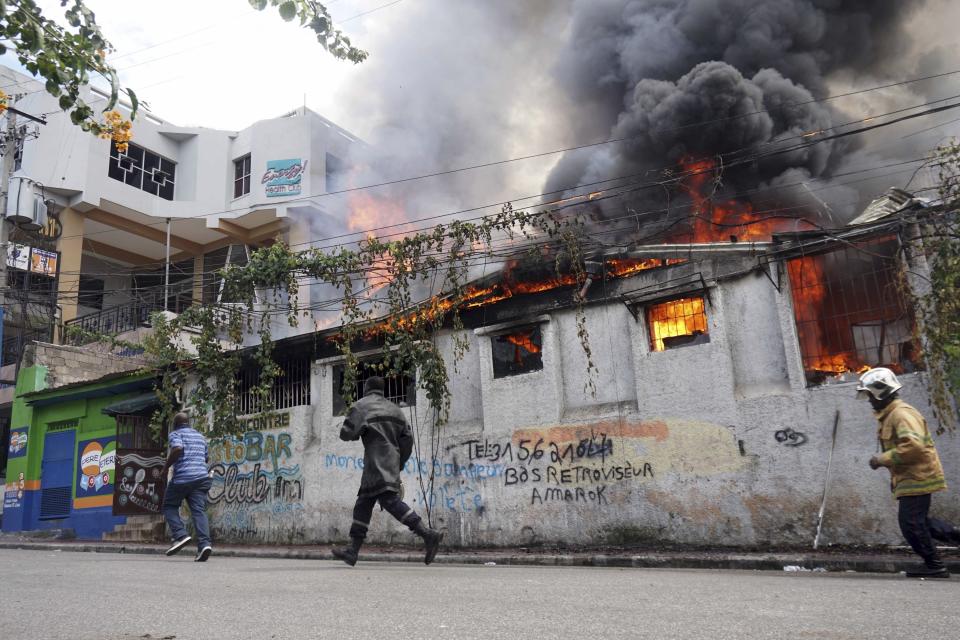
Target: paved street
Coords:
[(87, 596)]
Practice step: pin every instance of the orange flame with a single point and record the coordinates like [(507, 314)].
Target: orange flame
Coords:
[(809, 292), (681, 317), (368, 213), (719, 221), (522, 340)]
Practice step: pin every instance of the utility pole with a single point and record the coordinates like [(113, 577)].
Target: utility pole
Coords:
[(12, 139), (9, 152)]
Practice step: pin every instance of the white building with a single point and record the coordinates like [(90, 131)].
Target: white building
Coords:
[(222, 193)]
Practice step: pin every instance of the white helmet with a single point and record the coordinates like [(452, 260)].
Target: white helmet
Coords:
[(879, 383)]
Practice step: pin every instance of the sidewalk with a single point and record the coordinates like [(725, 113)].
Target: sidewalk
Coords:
[(877, 560)]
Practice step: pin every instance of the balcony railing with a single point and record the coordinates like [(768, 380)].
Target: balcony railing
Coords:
[(119, 319)]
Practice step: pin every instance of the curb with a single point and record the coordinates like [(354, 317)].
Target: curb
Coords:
[(653, 560)]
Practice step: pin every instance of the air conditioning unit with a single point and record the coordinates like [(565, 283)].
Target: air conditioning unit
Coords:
[(24, 207)]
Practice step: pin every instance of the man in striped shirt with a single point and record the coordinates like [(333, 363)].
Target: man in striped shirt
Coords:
[(188, 455)]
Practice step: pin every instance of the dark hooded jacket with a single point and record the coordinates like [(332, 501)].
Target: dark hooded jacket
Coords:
[(387, 442)]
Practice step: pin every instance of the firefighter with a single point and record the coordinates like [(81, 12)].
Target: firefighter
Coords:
[(387, 444), (907, 450)]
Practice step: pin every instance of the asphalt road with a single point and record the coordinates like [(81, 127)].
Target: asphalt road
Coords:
[(89, 596)]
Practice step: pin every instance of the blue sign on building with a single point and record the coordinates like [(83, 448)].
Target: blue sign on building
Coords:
[(283, 177)]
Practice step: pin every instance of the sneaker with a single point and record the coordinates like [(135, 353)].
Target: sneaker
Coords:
[(432, 542), (347, 554), (203, 554), (928, 572), (177, 545)]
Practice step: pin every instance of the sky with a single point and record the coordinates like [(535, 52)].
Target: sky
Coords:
[(221, 64)]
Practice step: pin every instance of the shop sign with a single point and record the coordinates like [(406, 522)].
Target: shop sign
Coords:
[(18, 443), (22, 257), (140, 482), (283, 177), (95, 472)]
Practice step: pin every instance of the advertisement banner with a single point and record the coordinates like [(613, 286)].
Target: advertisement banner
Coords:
[(18, 256), (283, 177), (44, 262), (95, 472), (140, 482), (18, 443)]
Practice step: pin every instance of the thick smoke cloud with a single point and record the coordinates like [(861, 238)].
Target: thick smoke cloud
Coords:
[(696, 78), (453, 84)]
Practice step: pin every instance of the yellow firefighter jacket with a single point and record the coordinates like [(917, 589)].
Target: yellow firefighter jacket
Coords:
[(908, 451)]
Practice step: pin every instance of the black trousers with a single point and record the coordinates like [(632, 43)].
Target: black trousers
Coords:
[(915, 526), (391, 502)]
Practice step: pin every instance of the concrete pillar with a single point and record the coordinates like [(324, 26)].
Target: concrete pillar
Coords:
[(198, 279), (70, 246)]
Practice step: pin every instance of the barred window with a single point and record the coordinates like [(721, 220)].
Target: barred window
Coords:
[(851, 312), (401, 389), (516, 352), (143, 169), (291, 387), (677, 323), (241, 176)]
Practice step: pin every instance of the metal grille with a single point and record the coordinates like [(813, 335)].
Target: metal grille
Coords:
[(677, 323), (54, 503), (63, 425), (401, 389), (133, 432), (291, 388), (850, 312)]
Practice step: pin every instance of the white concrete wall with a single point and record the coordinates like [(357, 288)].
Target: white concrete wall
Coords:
[(75, 163), (679, 446)]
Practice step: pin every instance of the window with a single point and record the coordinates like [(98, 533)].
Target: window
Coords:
[(241, 176), (850, 312), (677, 323), (90, 292), (401, 389), (143, 169), (291, 387), (334, 173), (517, 352)]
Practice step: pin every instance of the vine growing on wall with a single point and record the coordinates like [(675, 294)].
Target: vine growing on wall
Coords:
[(939, 302), (385, 292)]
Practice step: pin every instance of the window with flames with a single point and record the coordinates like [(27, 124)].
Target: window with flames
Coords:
[(677, 323), (519, 351), (851, 312), (401, 389)]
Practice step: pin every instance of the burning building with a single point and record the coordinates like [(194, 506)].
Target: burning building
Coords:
[(719, 368)]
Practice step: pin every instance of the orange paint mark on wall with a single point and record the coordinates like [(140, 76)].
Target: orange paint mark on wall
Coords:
[(655, 429)]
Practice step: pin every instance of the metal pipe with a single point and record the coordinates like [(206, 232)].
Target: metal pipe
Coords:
[(683, 250), (166, 277)]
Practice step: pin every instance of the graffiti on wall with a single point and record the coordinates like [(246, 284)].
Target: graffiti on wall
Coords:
[(257, 487), (570, 464), (455, 488), (790, 438)]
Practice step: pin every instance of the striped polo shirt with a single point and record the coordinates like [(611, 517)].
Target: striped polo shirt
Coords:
[(192, 465)]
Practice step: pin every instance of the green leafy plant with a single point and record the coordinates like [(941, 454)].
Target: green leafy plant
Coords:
[(403, 326), (939, 303)]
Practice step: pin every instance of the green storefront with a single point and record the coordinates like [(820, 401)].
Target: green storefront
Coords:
[(61, 473)]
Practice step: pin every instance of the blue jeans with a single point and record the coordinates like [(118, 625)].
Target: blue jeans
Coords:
[(195, 493)]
